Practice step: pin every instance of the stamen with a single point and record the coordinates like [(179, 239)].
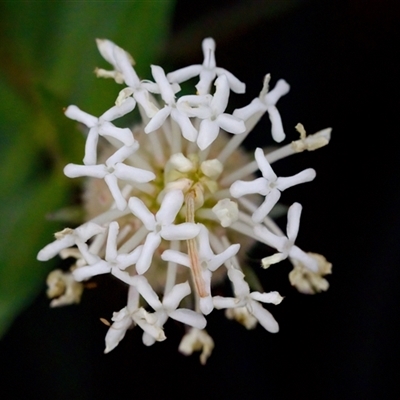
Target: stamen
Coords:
[(192, 249)]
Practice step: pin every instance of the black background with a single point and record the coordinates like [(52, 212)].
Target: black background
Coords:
[(339, 58)]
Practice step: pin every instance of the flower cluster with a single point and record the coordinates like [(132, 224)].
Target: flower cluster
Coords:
[(173, 204)]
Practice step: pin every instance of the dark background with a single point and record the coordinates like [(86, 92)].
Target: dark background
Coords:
[(339, 58)]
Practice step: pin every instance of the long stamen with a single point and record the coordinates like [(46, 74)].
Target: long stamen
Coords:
[(192, 249)]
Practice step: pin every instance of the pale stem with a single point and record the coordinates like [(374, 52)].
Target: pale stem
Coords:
[(234, 260), (222, 194), (192, 249), (191, 147), (176, 138), (203, 154), (109, 216), (244, 229), (268, 222), (232, 145), (157, 147), (139, 162), (134, 241), (98, 243), (206, 213), (171, 271)]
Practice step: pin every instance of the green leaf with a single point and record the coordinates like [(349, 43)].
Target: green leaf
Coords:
[(51, 54)]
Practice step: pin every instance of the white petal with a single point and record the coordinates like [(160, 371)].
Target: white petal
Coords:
[(87, 230), (120, 110), (281, 88), (91, 147), (189, 317), (126, 260), (184, 231), (208, 132), (242, 188), (52, 249), (271, 297), (264, 317), (124, 135), (264, 166), (230, 123), (75, 113), (234, 83), (121, 154), (116, 333), (221, 95), (307, 261), (111, 247), (86, 272), (304, 176), (151, 244), (255, 107), (177, 257), (147, 292), (124, 64), (270, 200), (184, 74), (133, 174), (170, 207), (293, 222), (140, 210), (106, 49), (221, 258), (112, 183), (189, 132), (142, 97), (158, 119), (225, 302), (206, 305), (172, 300), (277, 131), (241, 287), (167, 93), (76, 171)]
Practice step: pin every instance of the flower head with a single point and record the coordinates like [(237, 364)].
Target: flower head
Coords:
[(176, 218)]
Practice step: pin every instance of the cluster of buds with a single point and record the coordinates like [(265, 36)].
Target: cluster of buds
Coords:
[(174, 204)]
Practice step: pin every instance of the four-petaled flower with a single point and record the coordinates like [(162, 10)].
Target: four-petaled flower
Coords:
[(249, 300), (269, 185)]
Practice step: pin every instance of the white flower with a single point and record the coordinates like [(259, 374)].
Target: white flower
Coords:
[(269, 185), (111, 171), (285, 245), (266, 102), (209, 263), (250, 300), (207, 71), (160, 226), (102, 127), (113, 261), (70, 237), (130, 315), (189, 132), (161, 211), (210, 109)]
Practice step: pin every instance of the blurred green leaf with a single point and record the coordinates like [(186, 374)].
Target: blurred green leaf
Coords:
[(48, 54)]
